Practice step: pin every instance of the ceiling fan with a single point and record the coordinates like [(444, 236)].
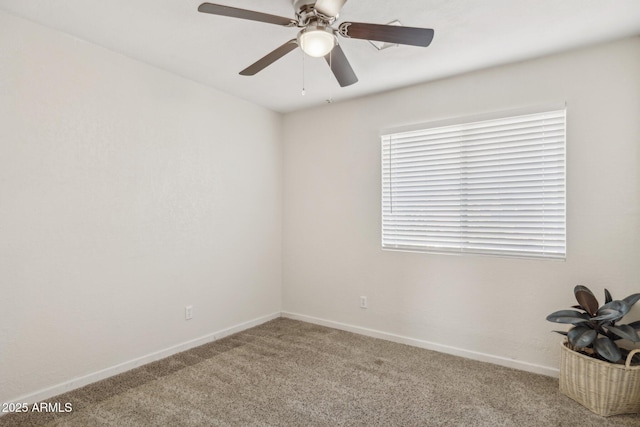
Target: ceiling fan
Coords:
[(318, 38)]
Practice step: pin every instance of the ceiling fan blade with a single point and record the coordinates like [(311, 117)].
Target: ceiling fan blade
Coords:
[(270, 58), (340, 67), (233, 12), (387, 33), (329, 8)]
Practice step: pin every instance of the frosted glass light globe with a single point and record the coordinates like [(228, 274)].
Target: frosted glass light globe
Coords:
[(316, 42)]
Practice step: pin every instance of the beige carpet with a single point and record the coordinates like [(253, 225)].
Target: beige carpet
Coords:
[(291, 373)]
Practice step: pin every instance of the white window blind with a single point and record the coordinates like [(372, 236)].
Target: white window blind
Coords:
[(488, 187)]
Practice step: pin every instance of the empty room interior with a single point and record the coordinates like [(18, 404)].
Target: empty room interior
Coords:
[(194, 233)]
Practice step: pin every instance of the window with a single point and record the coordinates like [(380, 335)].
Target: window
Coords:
[(493, 187)]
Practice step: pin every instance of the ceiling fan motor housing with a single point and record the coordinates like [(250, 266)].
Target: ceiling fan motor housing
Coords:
[(301, 5), (306, 13)]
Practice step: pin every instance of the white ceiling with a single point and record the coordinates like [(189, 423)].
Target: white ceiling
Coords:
[(469, 35)]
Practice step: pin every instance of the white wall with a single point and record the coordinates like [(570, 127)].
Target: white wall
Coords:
[(126, 193), (484, 307)]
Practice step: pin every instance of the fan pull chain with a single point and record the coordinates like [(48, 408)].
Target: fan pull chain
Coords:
[(303, 90)]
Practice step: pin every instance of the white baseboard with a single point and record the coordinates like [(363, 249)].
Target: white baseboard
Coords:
[(469, 354), (75, 383)]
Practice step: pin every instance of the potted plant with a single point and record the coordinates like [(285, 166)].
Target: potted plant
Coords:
[(595, 370)]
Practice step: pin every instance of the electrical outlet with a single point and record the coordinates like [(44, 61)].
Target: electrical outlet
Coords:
[(188, 312), (363, 302)]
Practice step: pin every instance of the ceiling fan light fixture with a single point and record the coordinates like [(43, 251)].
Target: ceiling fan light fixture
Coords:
[(316, 40)]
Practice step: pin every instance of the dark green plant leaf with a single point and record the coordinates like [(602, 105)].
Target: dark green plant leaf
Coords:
[(568, 316), (608, 316), (561, 333), (607, 296), (625, 331), (612, 311), (635, 325), (632, 299), (581, 336), (586, 299), (607, 349), (577, 307)]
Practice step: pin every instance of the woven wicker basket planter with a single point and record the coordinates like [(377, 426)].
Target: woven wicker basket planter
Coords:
[(602, 387)]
